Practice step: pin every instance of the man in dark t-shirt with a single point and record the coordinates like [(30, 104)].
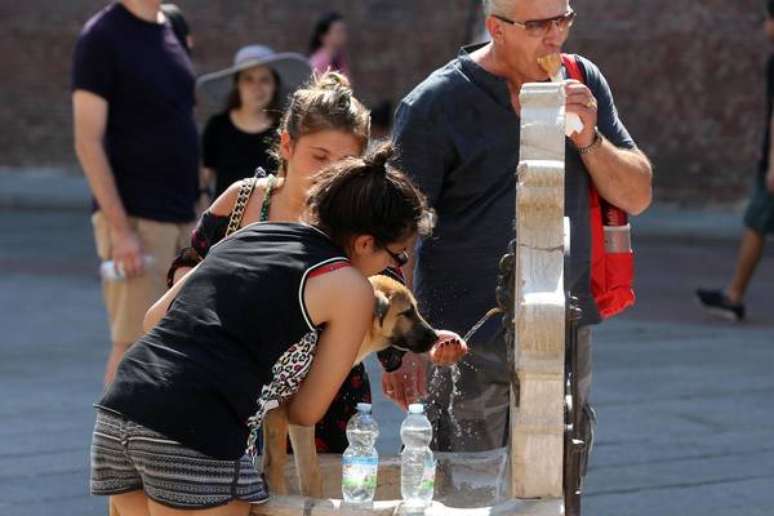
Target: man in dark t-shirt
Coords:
[(458, 137), (136, 140)]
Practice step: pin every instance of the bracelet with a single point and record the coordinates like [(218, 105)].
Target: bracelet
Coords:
[(594, 144)]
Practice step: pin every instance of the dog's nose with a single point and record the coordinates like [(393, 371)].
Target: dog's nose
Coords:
[(428, 338)]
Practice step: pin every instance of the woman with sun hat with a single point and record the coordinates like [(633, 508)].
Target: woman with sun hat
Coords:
[(237, 141)]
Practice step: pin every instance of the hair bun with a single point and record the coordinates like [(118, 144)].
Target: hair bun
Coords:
[(331, 80), (378, 157)]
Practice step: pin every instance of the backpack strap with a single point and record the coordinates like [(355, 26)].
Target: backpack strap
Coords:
[(574, 70), (570, 62), (612, 272)]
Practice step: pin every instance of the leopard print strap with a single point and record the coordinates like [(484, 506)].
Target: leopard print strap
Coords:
[(288, 372), (245, 191)]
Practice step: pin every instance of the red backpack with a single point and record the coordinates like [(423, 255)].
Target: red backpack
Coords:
[(612, 260)]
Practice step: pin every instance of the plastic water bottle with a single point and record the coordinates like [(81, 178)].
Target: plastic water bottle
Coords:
[(417, 465), (618, 231), (360, 461), (109, 270)]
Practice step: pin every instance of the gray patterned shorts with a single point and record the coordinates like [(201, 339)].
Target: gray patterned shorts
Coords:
[(126, 456)]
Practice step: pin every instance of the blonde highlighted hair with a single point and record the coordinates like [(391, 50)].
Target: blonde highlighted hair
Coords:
[(326, 102)]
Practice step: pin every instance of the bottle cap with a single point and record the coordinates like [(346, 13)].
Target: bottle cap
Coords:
[(364, 407), (416, 408)]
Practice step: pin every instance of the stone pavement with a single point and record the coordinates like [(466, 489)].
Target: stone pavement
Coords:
[(684, 402), (685, 420)]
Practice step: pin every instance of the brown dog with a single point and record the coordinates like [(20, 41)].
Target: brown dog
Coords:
[(396, 323)]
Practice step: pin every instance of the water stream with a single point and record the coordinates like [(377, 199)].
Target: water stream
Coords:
[(454, 375), (472, 331)]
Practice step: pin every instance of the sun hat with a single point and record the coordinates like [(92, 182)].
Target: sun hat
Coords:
[(293, 69)]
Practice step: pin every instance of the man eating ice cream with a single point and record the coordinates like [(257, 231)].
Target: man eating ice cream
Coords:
[(458, 135)]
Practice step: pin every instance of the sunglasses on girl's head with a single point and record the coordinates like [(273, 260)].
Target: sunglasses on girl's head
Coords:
[(539, 28), (400, 258)]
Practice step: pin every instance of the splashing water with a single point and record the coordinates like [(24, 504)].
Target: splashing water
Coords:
[(455, 374), (455, 391)]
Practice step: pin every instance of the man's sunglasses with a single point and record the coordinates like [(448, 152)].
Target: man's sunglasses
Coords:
[(539, 28)]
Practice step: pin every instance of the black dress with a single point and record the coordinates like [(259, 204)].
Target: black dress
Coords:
[(234, 154)]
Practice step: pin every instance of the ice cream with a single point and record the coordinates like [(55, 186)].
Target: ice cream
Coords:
[(552, 64)]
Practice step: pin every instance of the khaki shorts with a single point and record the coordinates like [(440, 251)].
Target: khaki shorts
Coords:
[(128, 300)]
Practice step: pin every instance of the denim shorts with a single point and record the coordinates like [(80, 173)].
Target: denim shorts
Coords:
[(126, 456)]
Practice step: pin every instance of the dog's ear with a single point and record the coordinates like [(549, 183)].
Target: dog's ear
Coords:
[(381, 307)]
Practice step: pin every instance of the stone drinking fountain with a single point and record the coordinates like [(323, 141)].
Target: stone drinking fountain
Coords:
[(526, 477)]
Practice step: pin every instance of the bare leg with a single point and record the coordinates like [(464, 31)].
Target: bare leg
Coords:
[(134, 503), (750, 252), (116, 352), (235, 508)]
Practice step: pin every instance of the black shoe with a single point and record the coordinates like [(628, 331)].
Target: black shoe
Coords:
[(715, 302)]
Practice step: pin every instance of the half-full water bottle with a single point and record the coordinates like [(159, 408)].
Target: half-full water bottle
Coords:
[(111, 271), (360, 461), (417, 465), (618, 231)]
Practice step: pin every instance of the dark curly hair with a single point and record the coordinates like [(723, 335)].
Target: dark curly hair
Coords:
[(368, 196)]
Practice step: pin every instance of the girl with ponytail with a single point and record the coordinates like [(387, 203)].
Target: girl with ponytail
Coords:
[(323, 123)]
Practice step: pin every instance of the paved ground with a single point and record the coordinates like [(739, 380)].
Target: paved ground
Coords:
[(684, 402)]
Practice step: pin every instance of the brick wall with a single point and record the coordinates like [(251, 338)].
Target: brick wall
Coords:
[(688, 81), (687, 76)]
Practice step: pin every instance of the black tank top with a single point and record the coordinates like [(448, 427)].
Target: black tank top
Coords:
[(236, 341)]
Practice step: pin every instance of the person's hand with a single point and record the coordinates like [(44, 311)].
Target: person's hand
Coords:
[(448, 349), (770, 181), (408, 383), (581, 101), (127, 252)]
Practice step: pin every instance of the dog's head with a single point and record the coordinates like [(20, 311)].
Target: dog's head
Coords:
[(397, 322)]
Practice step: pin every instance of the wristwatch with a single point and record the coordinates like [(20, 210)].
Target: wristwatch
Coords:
[(596, 142)]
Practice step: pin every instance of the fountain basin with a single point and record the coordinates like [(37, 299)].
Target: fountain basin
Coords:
[(466, 483)]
